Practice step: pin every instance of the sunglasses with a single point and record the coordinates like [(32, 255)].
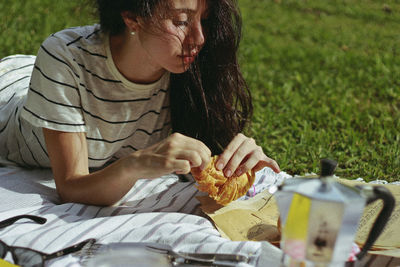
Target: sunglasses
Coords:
[(10, 221), (33, 258), (30, 257)]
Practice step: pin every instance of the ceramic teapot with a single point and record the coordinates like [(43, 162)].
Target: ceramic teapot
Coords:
[(320, 217)]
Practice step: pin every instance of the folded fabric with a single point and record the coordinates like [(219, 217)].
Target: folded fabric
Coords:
[(162, 210)]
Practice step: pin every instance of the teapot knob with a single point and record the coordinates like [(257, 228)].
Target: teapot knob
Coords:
[(328, 167)]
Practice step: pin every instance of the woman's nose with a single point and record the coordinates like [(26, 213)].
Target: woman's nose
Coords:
[(196, 35)]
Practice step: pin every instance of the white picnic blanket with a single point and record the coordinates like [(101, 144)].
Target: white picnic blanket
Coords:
[(162, 210)]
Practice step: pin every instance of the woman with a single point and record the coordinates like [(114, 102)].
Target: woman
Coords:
[(108, 96)]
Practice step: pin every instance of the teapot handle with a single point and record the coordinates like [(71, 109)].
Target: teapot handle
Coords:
[(378, 192)]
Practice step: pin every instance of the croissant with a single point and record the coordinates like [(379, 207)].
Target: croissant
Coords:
[(220, 188)]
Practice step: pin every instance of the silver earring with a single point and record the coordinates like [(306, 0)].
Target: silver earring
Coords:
[(133, 33)]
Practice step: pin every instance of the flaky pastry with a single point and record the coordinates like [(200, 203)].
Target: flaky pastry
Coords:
[(220, 188)]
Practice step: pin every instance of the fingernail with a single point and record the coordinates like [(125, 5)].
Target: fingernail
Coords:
[(239, 172), (277, 169), (202, 166), (220, 166), (228, 173)]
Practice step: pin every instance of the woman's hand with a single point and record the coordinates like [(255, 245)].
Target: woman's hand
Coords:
[(243, 154), (177, 153)]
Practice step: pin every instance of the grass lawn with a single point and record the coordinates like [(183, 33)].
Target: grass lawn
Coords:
[(325, 76)]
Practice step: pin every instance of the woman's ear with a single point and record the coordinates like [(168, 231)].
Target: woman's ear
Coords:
[(130, 21)]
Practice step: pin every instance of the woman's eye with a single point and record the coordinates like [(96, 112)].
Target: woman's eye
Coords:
[(180, 23), (181, 20)]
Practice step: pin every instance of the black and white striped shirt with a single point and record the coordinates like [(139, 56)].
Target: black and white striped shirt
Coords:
[(75, 87)]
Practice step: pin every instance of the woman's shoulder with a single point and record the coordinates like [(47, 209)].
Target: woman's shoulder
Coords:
[(90, 33), (75, 37), (74, 43)]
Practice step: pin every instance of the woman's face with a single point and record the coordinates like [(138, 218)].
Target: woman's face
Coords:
[(174, 44)]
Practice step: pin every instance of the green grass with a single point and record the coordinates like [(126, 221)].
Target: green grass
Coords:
[(326, 79), (25, 24), (325, 76)]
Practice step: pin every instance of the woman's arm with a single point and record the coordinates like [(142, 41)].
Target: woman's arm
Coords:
[(69, 161)]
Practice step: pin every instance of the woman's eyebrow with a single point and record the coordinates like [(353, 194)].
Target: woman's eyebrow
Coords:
[(185, 10), (191, 11)]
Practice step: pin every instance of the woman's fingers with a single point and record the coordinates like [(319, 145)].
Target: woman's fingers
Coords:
[(226, 156), (186, 148), (244, 152), (256, 164), (177, 153), (242, 155), (268, 162), (250, 161), (203, 151), (195, 151), (181, 167), (192, 156)]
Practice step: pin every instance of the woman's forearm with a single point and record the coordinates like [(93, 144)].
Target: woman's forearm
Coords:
[(103, 187), (69, 161)]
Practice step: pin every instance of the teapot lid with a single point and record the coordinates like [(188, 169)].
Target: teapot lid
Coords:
[(325, 187)]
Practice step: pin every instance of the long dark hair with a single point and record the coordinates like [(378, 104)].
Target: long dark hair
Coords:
[(211, 101)]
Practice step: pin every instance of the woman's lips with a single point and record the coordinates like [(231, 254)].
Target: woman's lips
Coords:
[(188, 59)]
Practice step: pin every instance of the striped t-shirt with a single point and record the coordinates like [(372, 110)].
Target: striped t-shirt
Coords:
[(75, 87)]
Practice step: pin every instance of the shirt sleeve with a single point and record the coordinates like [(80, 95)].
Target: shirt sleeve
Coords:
[(53, 99)]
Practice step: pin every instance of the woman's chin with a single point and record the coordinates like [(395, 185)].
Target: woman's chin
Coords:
[(180, 69)]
